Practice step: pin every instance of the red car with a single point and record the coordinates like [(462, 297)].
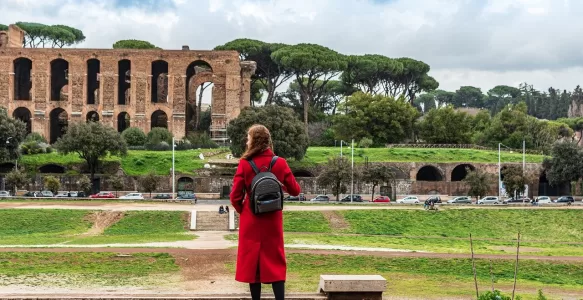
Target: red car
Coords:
[(103, 195), (385, 199)]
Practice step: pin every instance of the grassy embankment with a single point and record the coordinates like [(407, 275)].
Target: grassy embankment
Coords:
[(544, 232), (46, 227), (187, 162)]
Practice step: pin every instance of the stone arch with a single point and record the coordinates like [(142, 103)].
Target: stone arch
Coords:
[(546, 189), (52, 169), (124, 78), (59, 121), (159, 119), (303, 173), (22, 78), (6, 167), (123, 121), (159, 81), (24, 115), (93, 70), (399, 173), (92, 116), (185, 184), (198, 74), (460, 172), (59, 80), (429, 173)]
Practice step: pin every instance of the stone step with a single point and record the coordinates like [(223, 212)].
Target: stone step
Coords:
[(212, 221)]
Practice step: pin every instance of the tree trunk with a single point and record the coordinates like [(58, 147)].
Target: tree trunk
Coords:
[(373, 188), (306, 109), (337, 191), (199, 107)]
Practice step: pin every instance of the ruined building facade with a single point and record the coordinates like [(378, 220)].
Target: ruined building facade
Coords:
[(51, 88)]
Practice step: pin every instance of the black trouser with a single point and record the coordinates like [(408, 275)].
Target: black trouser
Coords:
[(278, 290)]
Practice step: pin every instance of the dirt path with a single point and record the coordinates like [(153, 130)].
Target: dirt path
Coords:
[(102, 220), (337, 222), (203, 252)]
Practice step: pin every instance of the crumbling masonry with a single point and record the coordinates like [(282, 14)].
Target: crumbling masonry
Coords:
[(50, 88)]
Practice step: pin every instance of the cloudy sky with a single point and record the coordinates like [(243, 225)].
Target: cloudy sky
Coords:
[(466, 42)]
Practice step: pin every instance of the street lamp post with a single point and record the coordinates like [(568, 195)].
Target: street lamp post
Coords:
[(16, 161), (173, 172), (352, 174)]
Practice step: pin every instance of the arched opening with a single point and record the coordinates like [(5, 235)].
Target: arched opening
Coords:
[(123, 121), (185, 184), (93, 69), (24, 115), (159, 81), (52, 169), (124, 79), (460, 172), (303, 173), (399, 174), (22, 78), (59, 122), (59, 80), (159, 119), (197, 109), (429, 173), (6, 168), (92, 116), (546, 189)]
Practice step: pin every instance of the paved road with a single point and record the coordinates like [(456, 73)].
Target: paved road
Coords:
[(212, 205)]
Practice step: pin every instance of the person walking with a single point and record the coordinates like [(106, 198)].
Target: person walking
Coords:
[(260, 255)]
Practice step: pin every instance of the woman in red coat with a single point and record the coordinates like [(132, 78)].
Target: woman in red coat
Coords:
[(261, 255)]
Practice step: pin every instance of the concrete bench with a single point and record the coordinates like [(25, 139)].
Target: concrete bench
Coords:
[(348, 287)]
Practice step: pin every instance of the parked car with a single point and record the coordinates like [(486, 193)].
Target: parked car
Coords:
[(355, 198), (543, 200), (163, 196), (384, 199), (4, 194), (489, 200), (103, 195), (47, 194), (132, 196), (434, 199), (62, 195), (460, 200), (187, 196), (409, 199), (320, 198), (565, 199), (32, 194), (517, 200)]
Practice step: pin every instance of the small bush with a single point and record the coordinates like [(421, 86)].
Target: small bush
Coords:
[(365, 143), (201, 140), (158, 135), (35, 147), (134, 136), (161, 146), (36, 137)]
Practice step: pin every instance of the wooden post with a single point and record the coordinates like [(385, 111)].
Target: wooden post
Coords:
[(516, 265), (474, 267), (491, 276)]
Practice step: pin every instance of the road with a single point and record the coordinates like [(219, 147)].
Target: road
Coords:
[(212, 205)]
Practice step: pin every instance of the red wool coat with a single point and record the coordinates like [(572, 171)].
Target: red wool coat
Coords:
[(261, 255)]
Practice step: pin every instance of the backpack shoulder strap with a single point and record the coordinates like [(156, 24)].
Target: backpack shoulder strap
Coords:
[(253, 166), (273, 160)]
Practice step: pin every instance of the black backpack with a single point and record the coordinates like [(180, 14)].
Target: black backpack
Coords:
[(266, 193)]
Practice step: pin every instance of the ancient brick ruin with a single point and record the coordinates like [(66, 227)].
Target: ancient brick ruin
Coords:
[(50, 88)]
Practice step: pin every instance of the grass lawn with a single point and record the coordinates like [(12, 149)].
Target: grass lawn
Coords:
[(134, 164), (52, 226), (98, 268), (305, 221), (143, 227), (187, 162), (319, 155), (562, 225), (436, 278), (38, 226)]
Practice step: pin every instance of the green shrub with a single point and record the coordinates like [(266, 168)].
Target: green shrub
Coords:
[(496, 295), (36, 137), (200, 140), (158, 135), (134, 136), (365, 143)]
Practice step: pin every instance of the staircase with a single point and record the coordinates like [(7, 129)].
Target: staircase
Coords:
[(211, 221)]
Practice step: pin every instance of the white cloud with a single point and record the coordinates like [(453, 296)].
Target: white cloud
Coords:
[(466, 42)]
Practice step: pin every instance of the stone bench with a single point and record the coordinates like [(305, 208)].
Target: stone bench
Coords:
[(349, 287)]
